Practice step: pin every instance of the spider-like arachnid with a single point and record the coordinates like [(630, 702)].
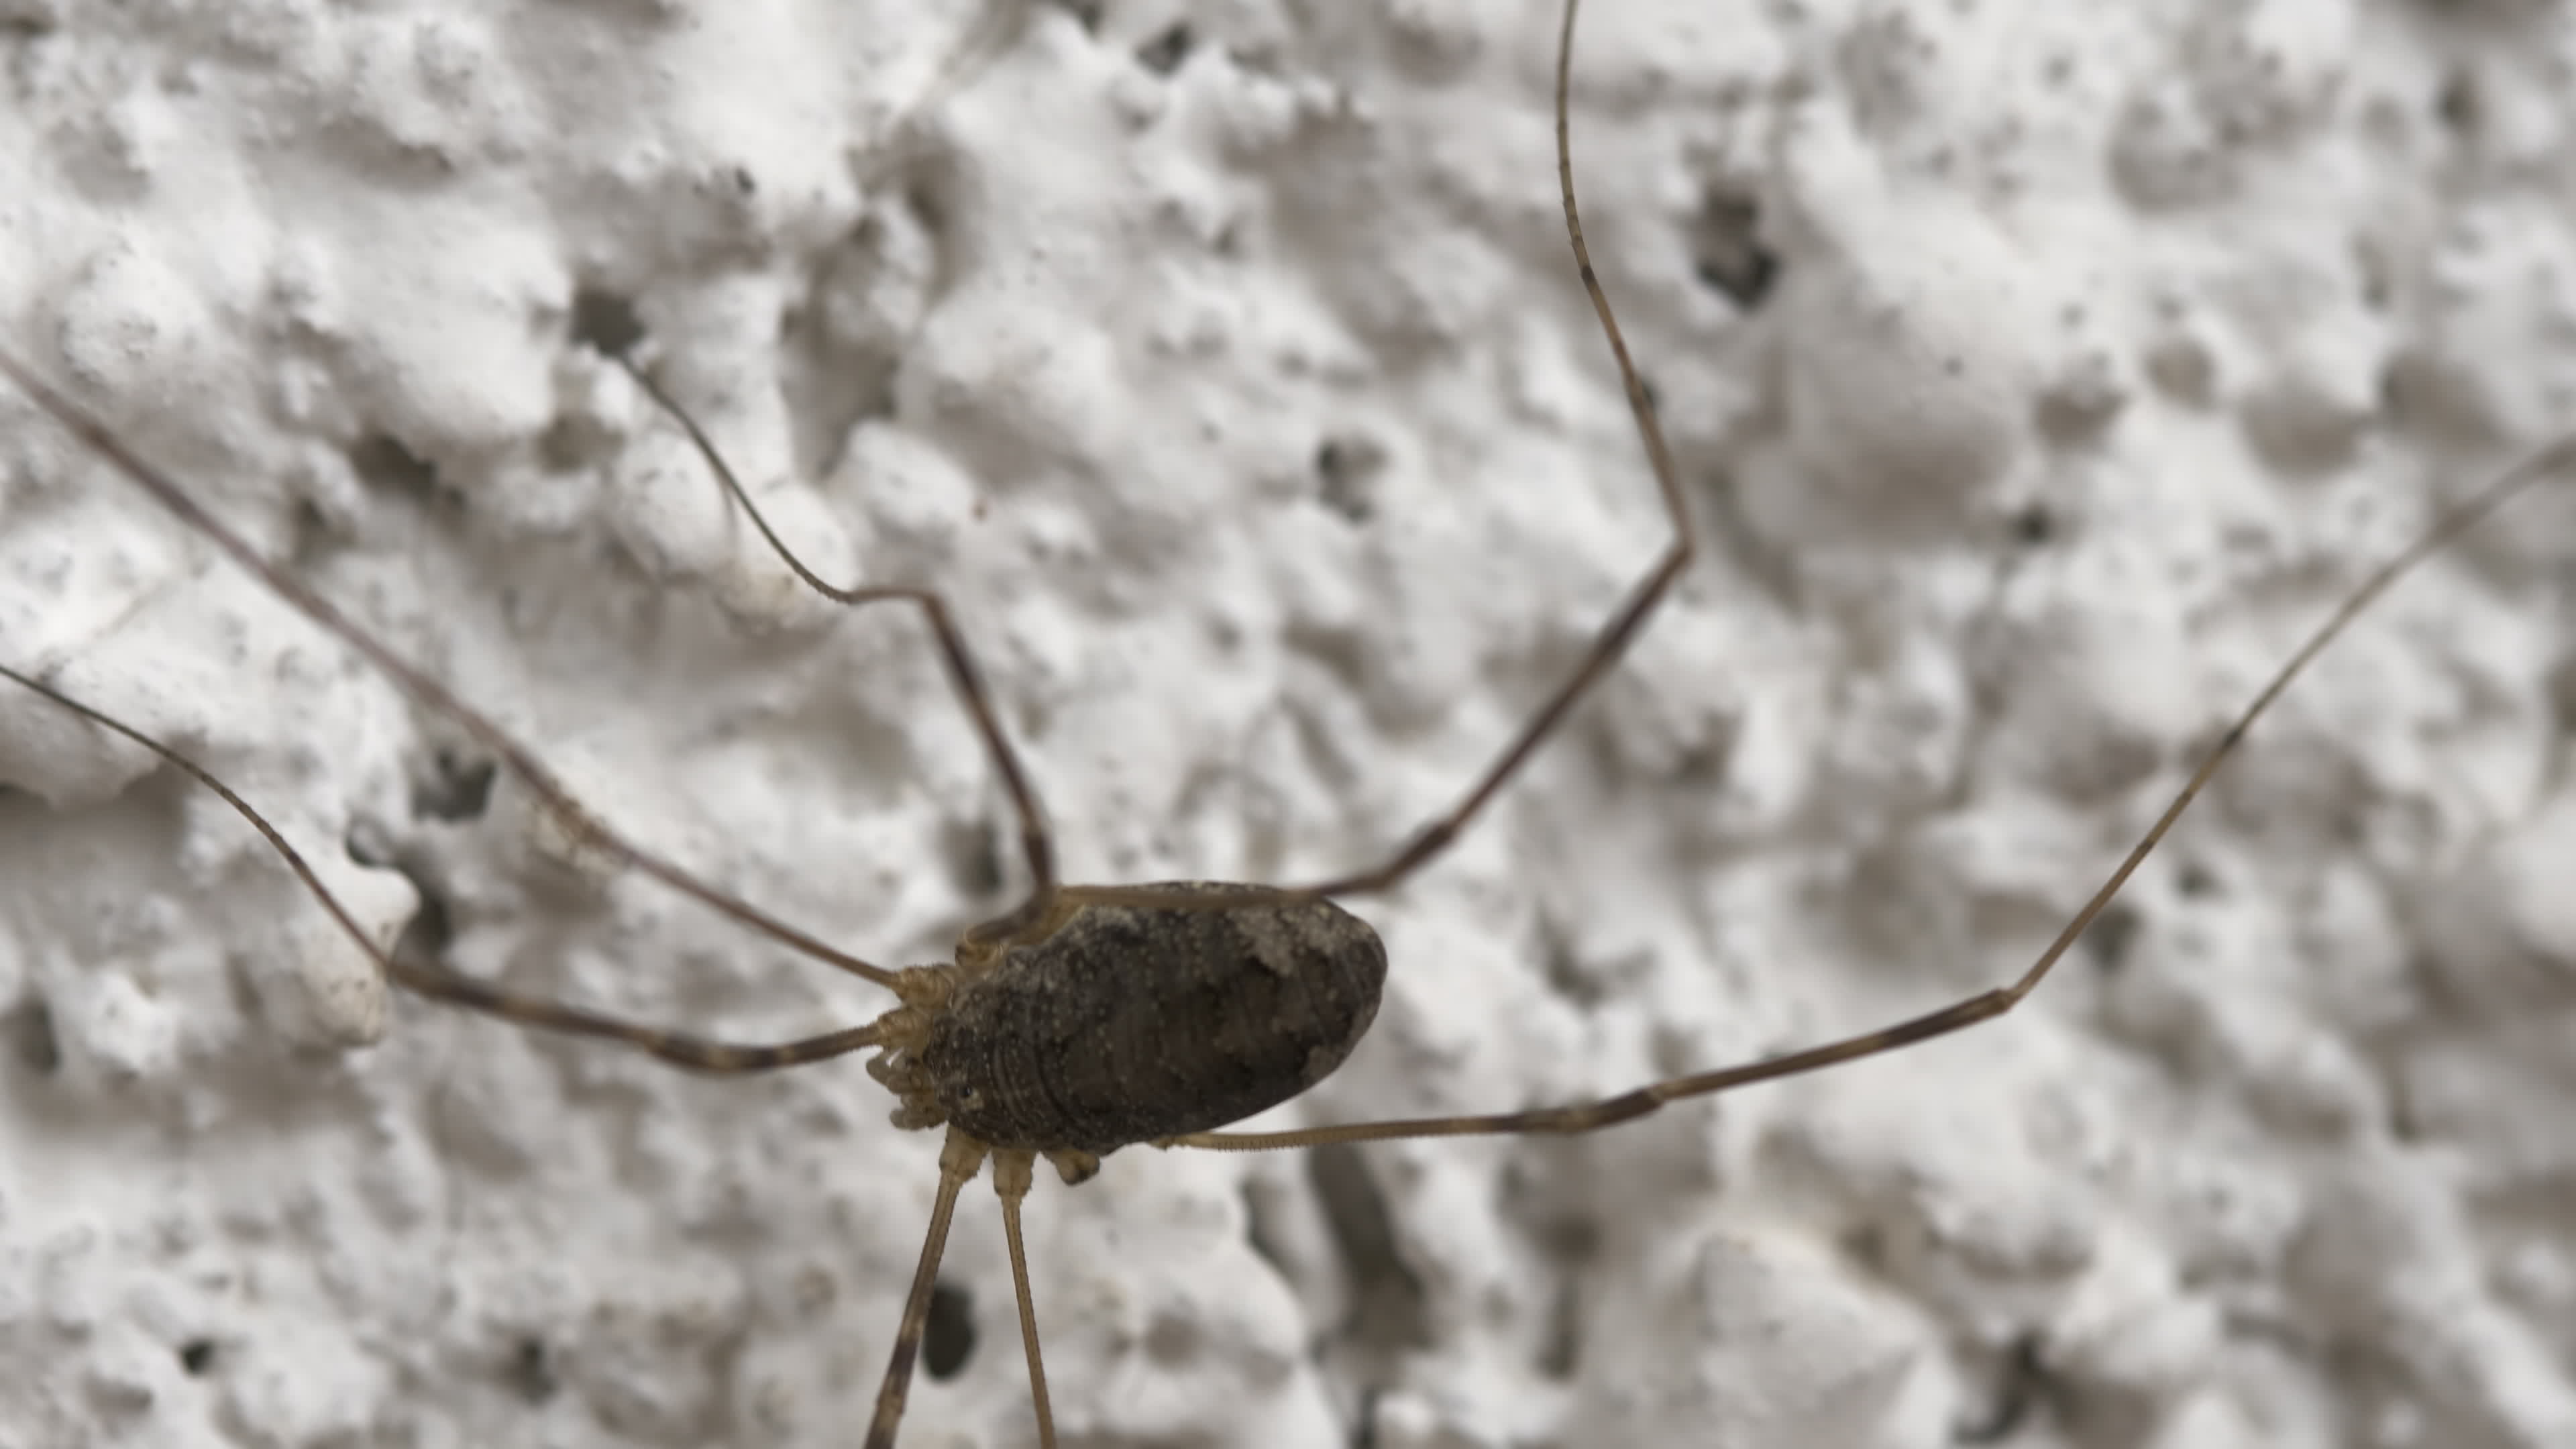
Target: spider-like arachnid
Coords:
[(1079, 1020)]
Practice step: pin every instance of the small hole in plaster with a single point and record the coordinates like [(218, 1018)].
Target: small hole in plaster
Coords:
[(452, 788), (382, 461), (2025, 1384), (1164, 53), (2108, 943), (532, 1371), (424, 938), (605, 322), (1347, 470), (1727, 251), (948, 1339), (2459, 103), (973, 850), (31, 1036)]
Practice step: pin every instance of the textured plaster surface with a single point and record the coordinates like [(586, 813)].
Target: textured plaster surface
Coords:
[(2040, 372)]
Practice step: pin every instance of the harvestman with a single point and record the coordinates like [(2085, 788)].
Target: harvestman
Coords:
[(1089, 1018)]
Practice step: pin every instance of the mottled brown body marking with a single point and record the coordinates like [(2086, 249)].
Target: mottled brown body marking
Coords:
[(1125, 1023)]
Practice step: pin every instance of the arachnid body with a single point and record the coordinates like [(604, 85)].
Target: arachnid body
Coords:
[(2036, 391), (1119, 1024)]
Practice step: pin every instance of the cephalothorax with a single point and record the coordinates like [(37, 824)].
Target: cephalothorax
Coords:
[(1090, 1018)]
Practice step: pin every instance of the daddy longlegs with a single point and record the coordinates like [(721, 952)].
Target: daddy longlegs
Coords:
[(1089, 1018)]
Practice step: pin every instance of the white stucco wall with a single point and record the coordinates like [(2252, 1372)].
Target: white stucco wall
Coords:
[(1237, 389)]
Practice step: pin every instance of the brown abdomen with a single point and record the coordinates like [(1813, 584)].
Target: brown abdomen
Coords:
[(1128, 1023)]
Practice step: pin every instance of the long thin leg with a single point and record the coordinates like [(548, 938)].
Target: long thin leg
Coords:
[(1622, 626), (1986, 1005), (1011, 1175), (695, 1053), (1036, 843), (959, 1159), (418, 683)]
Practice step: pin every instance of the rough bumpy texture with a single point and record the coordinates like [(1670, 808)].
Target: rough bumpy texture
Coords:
[(1127, 1023), (2039, 372)]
